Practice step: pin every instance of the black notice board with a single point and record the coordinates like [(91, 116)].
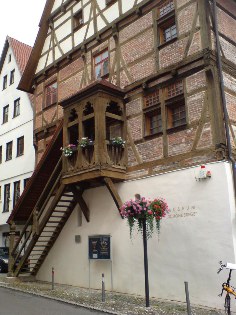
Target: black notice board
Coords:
[(100, 247)]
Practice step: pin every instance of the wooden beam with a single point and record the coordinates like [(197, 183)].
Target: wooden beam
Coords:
[(113, 191), (80, 200)]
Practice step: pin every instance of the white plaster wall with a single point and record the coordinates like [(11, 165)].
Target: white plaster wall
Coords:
[(18, 168), (198, 232)]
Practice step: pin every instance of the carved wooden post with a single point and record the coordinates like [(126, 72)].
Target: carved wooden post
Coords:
[(35, 222), (12, 243)]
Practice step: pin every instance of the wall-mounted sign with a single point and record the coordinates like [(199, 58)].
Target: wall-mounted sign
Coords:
[(100, 247)]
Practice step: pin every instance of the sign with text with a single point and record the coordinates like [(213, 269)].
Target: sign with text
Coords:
[(100, 247)]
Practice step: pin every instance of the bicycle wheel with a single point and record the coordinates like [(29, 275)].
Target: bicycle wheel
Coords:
[(227, 304)]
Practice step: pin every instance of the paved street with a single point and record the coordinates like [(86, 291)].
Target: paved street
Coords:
[(18, 303)]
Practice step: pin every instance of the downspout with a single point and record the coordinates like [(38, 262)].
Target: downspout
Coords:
[(222, 92)]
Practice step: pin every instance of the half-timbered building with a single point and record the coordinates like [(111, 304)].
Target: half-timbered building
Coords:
[(160, 75)]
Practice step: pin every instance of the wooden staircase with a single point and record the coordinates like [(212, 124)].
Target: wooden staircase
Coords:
[(43, 226)]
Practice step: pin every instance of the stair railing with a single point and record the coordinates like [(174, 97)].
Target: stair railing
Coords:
[(41, 203)]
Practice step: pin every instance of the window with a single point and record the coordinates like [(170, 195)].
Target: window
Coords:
[(101, 65), (16, 108), (9, 151), (175, 105), (9, 58), (4, 82), (176, 115), (16, 194), (78, 19), (166, 7), (26, 180), (152, 99), (0, 154), (51, 94), (6, 205), (166, 22), (153, 123), (12, 76), (175, 89), (152, 114), (167, 31), (5, 114), (20, 146)]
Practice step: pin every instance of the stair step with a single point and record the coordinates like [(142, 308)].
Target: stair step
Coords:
[(53, 222), (65, 200), (62, 206)]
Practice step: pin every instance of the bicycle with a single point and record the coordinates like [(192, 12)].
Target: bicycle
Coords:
[(230, 290)]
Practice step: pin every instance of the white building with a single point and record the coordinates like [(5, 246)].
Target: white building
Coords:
[(16, 124)]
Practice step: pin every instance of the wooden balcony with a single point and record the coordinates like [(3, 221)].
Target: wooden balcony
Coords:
[(96, 115)]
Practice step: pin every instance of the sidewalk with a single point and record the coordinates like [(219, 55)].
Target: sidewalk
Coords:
[(116, 303)]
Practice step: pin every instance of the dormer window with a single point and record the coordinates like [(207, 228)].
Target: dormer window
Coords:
[(78, 19), (101, 65)]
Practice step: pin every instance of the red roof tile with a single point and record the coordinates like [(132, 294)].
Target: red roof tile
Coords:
[(21, 52)]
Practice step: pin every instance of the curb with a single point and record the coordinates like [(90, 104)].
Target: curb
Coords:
[(7, 286)]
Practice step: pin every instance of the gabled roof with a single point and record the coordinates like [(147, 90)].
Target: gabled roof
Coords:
[(39, 179), (26, 81), (20, 50)]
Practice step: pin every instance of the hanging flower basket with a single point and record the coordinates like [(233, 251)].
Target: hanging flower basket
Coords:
[(117, 141), (144, 211), (69, 150), (85, 142)]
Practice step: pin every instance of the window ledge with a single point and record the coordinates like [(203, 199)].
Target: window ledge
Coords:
[(174, 99), (168, 43), (152, 107), (156, 135), (18, 155), (176, 129)]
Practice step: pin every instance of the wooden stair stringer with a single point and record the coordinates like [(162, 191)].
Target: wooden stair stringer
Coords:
[(54, 237), (36, 236)]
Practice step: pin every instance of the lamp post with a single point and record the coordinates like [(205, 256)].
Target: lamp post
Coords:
[(145, 255)]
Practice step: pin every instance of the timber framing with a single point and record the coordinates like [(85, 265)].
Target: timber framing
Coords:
[(135, 95)]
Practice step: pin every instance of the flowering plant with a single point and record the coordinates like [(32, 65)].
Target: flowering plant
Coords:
[(85, 141), (118, 141), (69, 150), (144, 210)]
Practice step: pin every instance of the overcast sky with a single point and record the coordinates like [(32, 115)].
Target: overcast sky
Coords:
[(20, 19)]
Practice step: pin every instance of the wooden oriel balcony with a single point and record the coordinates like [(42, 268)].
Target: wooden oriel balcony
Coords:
[(94, 122)]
